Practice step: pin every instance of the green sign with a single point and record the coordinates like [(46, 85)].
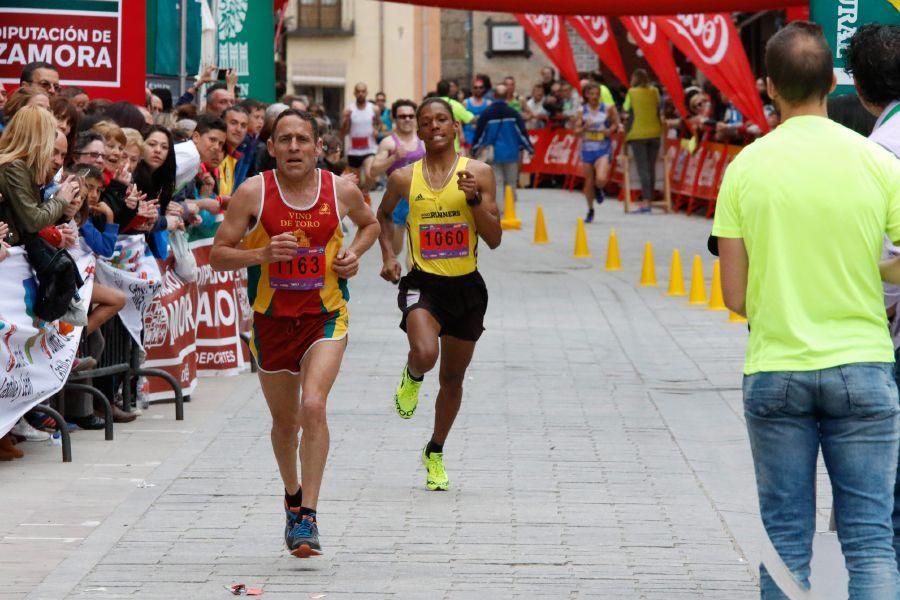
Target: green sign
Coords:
[(247, 37), (164, 37), (841, 18)]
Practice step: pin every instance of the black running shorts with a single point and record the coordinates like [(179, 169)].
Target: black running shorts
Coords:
[(457, 303), (356, 162)]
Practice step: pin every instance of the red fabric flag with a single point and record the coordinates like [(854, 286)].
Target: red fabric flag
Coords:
[(549, 32), (656, 50), (598, 33), (610, 8), (797, 13), (712, 43)]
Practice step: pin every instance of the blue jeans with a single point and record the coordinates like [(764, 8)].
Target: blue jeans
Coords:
[(852, 411), (896, 515)]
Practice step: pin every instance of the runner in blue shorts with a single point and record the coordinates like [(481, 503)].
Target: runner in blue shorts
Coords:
[(595, 122)]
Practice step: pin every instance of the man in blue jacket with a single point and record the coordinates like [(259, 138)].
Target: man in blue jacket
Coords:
[(502, 128)]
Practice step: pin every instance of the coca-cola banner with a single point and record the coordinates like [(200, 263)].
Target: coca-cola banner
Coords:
[(613, 8), (655, 46), (597, 32), (549, 32), (556, 152), (712, 43)]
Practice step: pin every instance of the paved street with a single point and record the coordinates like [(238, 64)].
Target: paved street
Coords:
[(600, 453)]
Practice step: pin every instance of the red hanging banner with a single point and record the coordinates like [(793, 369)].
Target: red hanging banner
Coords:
[(656, 50), (611, 8), (549, 32), (713, 43), (597, 32)]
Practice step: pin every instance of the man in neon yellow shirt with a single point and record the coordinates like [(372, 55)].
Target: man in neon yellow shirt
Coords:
[(800, 219), (460, 114)]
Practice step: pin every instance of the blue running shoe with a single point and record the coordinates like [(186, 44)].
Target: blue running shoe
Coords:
[(291, 516), (590, 216), (303, 538)]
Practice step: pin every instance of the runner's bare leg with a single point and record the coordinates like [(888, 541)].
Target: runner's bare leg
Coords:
[(456, 354), (422, 330), (318, 372), (282, 393), (588, 187)]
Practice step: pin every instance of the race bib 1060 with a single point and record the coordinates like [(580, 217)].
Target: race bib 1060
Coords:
[(446, 240), (303, 273)]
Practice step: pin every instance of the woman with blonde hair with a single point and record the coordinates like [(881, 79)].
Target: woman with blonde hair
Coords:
[(134, 147), (26, 153)]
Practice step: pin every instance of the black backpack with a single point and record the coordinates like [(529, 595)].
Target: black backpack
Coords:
[(57, 275)]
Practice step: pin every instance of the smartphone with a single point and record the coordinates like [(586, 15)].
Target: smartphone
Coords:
[(222, 74)]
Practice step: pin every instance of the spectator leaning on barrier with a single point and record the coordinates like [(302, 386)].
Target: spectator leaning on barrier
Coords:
[(26, 163), (800, 217), (207, 141), (502, 128)]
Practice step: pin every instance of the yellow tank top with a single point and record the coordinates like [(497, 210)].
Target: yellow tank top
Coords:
[(442, 239)]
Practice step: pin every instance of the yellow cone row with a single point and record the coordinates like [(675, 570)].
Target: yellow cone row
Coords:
[(697, 294)]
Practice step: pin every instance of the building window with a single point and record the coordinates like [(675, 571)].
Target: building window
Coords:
[(320, 14)]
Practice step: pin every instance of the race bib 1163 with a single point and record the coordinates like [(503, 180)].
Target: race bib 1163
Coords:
[(303, 273)]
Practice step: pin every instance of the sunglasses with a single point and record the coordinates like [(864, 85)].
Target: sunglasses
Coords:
[(48, 85)]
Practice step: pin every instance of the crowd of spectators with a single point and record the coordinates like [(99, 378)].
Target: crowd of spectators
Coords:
[(79, 172)]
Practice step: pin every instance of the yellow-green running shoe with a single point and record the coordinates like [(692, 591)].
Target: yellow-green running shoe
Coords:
[(406, 398), (437, 477)]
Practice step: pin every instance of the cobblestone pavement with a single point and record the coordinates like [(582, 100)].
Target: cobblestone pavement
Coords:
[(600, 453)]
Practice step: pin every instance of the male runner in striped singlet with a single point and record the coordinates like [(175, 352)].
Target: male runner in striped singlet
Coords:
[(443, 297), (401, 148), (284, 225)]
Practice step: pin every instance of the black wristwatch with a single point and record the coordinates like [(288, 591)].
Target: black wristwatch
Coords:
[(474, 201)]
